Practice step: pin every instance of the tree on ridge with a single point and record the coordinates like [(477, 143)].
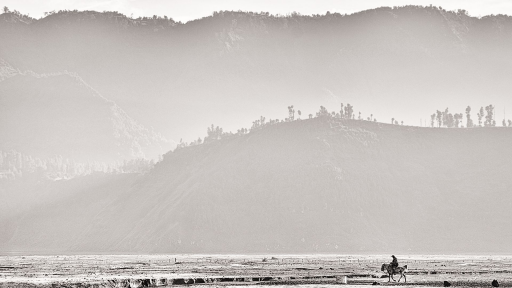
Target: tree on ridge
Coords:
[(480, 116), (469, 121), (489, 118)]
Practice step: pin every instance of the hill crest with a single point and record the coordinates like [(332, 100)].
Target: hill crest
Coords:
[(311, 186)]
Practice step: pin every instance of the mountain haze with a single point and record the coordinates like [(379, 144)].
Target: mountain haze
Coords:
[(80, 93), (51, 114), (308, 186), (401, 62)]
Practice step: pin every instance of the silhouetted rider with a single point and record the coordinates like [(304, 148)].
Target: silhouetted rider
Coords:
[(394, 263)]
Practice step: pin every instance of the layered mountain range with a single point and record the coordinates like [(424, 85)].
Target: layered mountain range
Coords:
[(81, 89), (44, 115), (233, 67)]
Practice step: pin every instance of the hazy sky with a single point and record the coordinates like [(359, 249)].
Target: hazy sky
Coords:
[(185, 10)]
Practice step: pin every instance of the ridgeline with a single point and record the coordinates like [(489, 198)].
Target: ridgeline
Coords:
[(321, 185), (393, 61)]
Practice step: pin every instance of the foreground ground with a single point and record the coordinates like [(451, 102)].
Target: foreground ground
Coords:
[(227, 270)]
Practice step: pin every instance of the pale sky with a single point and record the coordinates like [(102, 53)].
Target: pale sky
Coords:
[(185, 10)]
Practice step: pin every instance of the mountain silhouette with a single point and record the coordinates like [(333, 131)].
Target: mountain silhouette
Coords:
[(401, 62), (51, 114), (307, 186)]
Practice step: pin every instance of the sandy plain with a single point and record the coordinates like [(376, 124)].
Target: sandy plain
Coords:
[(235, 270)]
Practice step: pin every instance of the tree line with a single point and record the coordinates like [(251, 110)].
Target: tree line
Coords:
[(14, 165), (214, 133), (438, 119), (485, 116), (111, 16)]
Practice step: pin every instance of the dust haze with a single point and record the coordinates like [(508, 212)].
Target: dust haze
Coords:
[(386, 131)]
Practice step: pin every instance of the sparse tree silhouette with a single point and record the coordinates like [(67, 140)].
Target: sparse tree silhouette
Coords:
[(349, 111), (323, 112), (359, 117), (489, 118), (480, 116), (213, 133), (469, 121), (439, 117), (458, 119), (6, 9), (291, 113), (509, 123), (448, 120), (444, 118), (255, 124)]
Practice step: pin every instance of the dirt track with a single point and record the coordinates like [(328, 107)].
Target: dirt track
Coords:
[(163, 270)]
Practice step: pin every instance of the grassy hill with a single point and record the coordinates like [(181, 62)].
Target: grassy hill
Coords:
[(307, 186)]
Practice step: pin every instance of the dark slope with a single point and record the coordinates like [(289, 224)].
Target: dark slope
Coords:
[(306, 186), (59, 114), (236, 65)]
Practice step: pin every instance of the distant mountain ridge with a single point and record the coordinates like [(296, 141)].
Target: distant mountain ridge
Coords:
[(62, 109), (321, 185), (241, 65)]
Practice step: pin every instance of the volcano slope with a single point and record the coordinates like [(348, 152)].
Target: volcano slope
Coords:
[(318, 185)]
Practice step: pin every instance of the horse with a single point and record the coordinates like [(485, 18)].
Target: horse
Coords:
[(398, 270)]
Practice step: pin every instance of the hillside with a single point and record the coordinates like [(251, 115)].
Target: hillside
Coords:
[(44, 115), (307, 186), (390, 62)]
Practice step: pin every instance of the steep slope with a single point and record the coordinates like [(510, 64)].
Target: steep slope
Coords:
[(235, 65), (44, 115), (320, 185)]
